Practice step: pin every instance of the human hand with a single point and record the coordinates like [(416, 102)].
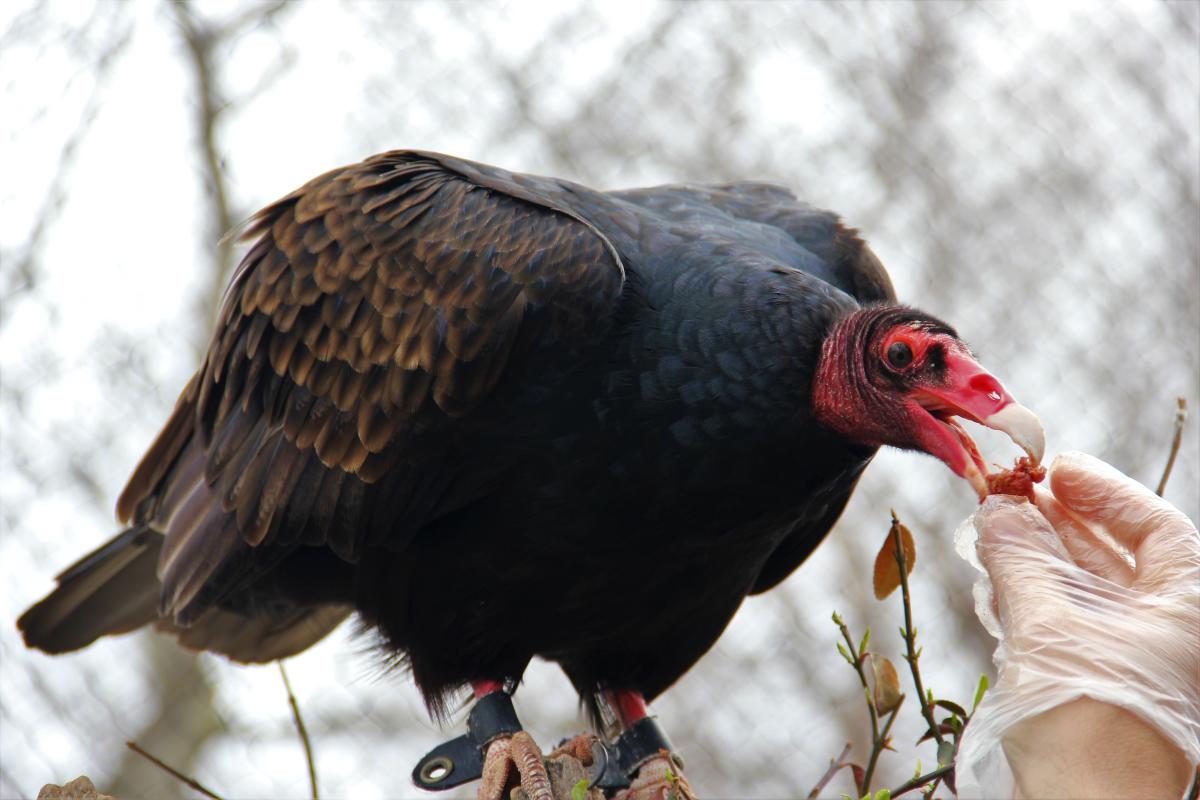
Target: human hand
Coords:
[(1099, 653)]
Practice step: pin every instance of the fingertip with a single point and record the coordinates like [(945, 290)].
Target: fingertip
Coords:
[(1085, 548), (1096, 493), (1079, 478)]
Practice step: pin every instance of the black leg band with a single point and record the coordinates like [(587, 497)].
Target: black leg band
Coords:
[(460, 760), (639, 743)]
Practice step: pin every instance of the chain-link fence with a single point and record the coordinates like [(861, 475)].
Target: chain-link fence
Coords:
[(1030, 172)]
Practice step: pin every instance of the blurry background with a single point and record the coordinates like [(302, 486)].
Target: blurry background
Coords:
[(1031, 172)]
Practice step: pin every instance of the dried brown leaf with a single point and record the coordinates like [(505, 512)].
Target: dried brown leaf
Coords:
[(887, 571), (885, 688)]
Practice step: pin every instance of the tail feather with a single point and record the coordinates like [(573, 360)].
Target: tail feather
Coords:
[(113, 589), (261, 638)]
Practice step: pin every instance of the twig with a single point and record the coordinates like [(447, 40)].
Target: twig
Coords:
[(878, 746), (199, 787), (1180, 418), (855, 658), (910, 639), (308, 751), (835, 765), (878, 737), (921, 780)]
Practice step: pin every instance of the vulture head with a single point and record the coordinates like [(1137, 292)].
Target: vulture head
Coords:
[(896, 376)]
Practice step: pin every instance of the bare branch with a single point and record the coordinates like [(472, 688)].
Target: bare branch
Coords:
[(1180, 419), (303, 731), (252, 17), (200, 40), (199, 787), (835, 766)]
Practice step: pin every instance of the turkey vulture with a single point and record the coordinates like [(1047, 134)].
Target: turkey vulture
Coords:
[(501, 416)]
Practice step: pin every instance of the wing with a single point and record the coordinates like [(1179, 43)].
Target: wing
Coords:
[(379, 306), (839, 256), (801, 542)]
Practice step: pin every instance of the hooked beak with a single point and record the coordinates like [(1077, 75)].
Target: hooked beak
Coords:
[(973, 393)]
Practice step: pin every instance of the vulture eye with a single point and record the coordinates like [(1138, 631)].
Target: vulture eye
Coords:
[(899, 355)]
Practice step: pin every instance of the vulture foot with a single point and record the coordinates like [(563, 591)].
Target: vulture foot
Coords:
[(659, 778), (517, 752)]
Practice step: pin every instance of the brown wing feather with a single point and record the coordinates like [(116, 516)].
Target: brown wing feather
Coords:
[(378, 299)]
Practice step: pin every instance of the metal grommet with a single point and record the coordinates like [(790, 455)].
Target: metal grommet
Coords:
[(436, 770)]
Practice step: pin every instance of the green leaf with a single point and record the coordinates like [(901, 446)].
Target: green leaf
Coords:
[(671, 776), (953, 708), (842, 649), (579, 791), (837, 619), (979, 692), (883, 794), (866, 639)]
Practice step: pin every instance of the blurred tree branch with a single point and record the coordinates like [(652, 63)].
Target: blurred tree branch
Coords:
[(24, 275), (203, 42)]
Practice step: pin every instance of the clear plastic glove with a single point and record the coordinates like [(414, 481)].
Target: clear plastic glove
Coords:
[(1079, 618)]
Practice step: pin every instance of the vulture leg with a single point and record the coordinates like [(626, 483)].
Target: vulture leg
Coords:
[(654, 770), (509, 751)]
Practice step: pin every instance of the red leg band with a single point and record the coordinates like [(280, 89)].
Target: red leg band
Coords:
[(484, 688), (629, 705)]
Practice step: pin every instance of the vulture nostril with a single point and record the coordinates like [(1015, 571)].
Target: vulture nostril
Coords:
[(986, 384)]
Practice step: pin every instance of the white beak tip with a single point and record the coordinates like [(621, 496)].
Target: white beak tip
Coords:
[(1023, 427)]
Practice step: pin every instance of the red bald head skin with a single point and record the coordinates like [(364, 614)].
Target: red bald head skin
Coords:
[(896, 376)]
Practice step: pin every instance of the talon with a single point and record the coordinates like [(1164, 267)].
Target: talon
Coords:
[(528, 758), (495, 769), (518, 750), (580, 748)]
